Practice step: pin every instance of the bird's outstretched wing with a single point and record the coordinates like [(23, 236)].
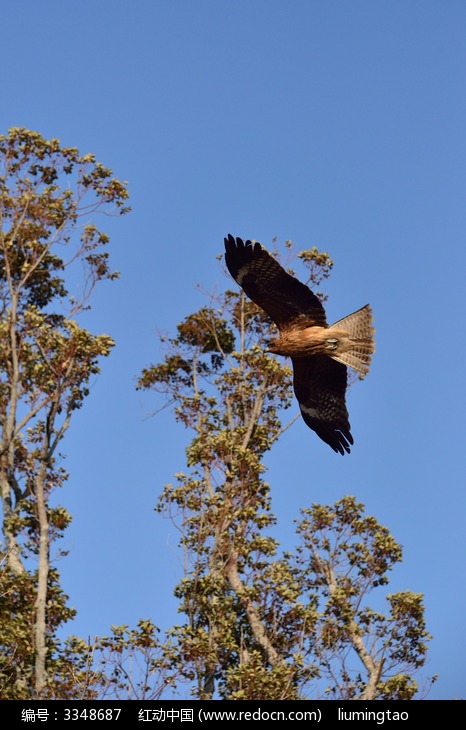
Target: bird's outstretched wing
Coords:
[(320, 386), (282, 296), (319, 381)]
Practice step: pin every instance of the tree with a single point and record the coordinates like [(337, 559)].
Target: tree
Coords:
[(134, 663), (47, 193), (260, 624)]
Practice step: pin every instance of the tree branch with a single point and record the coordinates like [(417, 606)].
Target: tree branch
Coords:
[(257, 626)]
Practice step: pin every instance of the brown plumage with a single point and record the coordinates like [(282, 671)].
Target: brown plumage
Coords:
[(320, 353)]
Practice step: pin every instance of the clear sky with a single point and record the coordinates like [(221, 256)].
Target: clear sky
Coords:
[(336, 124)]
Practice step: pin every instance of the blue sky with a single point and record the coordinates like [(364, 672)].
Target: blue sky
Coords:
[(336, 124)]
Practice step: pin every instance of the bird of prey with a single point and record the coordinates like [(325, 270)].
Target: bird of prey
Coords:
[(320, 353)]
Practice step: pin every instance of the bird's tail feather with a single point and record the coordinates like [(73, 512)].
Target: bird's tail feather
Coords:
[(360, 344)]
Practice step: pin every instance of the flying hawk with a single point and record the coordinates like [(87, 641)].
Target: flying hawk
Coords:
[(320, 353)]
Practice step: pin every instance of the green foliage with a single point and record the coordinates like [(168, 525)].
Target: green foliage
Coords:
[(343, 556), (40, 209), (134, 663), (18, 595), (259, 624), (46, 362)]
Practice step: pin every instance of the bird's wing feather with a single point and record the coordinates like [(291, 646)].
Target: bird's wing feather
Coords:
[(320, 386), (265, 281)]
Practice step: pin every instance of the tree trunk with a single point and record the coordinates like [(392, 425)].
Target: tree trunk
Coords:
[(40, 625)]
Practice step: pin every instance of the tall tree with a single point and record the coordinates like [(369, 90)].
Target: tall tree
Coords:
[(49, 196), (260, 624)]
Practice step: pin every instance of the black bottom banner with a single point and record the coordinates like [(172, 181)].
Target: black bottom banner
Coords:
[(166, 713)]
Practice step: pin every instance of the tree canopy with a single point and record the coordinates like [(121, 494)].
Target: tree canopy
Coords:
[(261, 623), (257, 622), (52, 255)]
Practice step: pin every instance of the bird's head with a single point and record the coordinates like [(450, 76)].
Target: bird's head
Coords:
[(273, 347)]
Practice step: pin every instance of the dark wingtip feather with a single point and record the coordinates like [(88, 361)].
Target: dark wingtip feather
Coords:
[(338, 438), (340, 442), (239, 252)]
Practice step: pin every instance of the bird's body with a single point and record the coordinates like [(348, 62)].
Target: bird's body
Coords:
[(319, 352)]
